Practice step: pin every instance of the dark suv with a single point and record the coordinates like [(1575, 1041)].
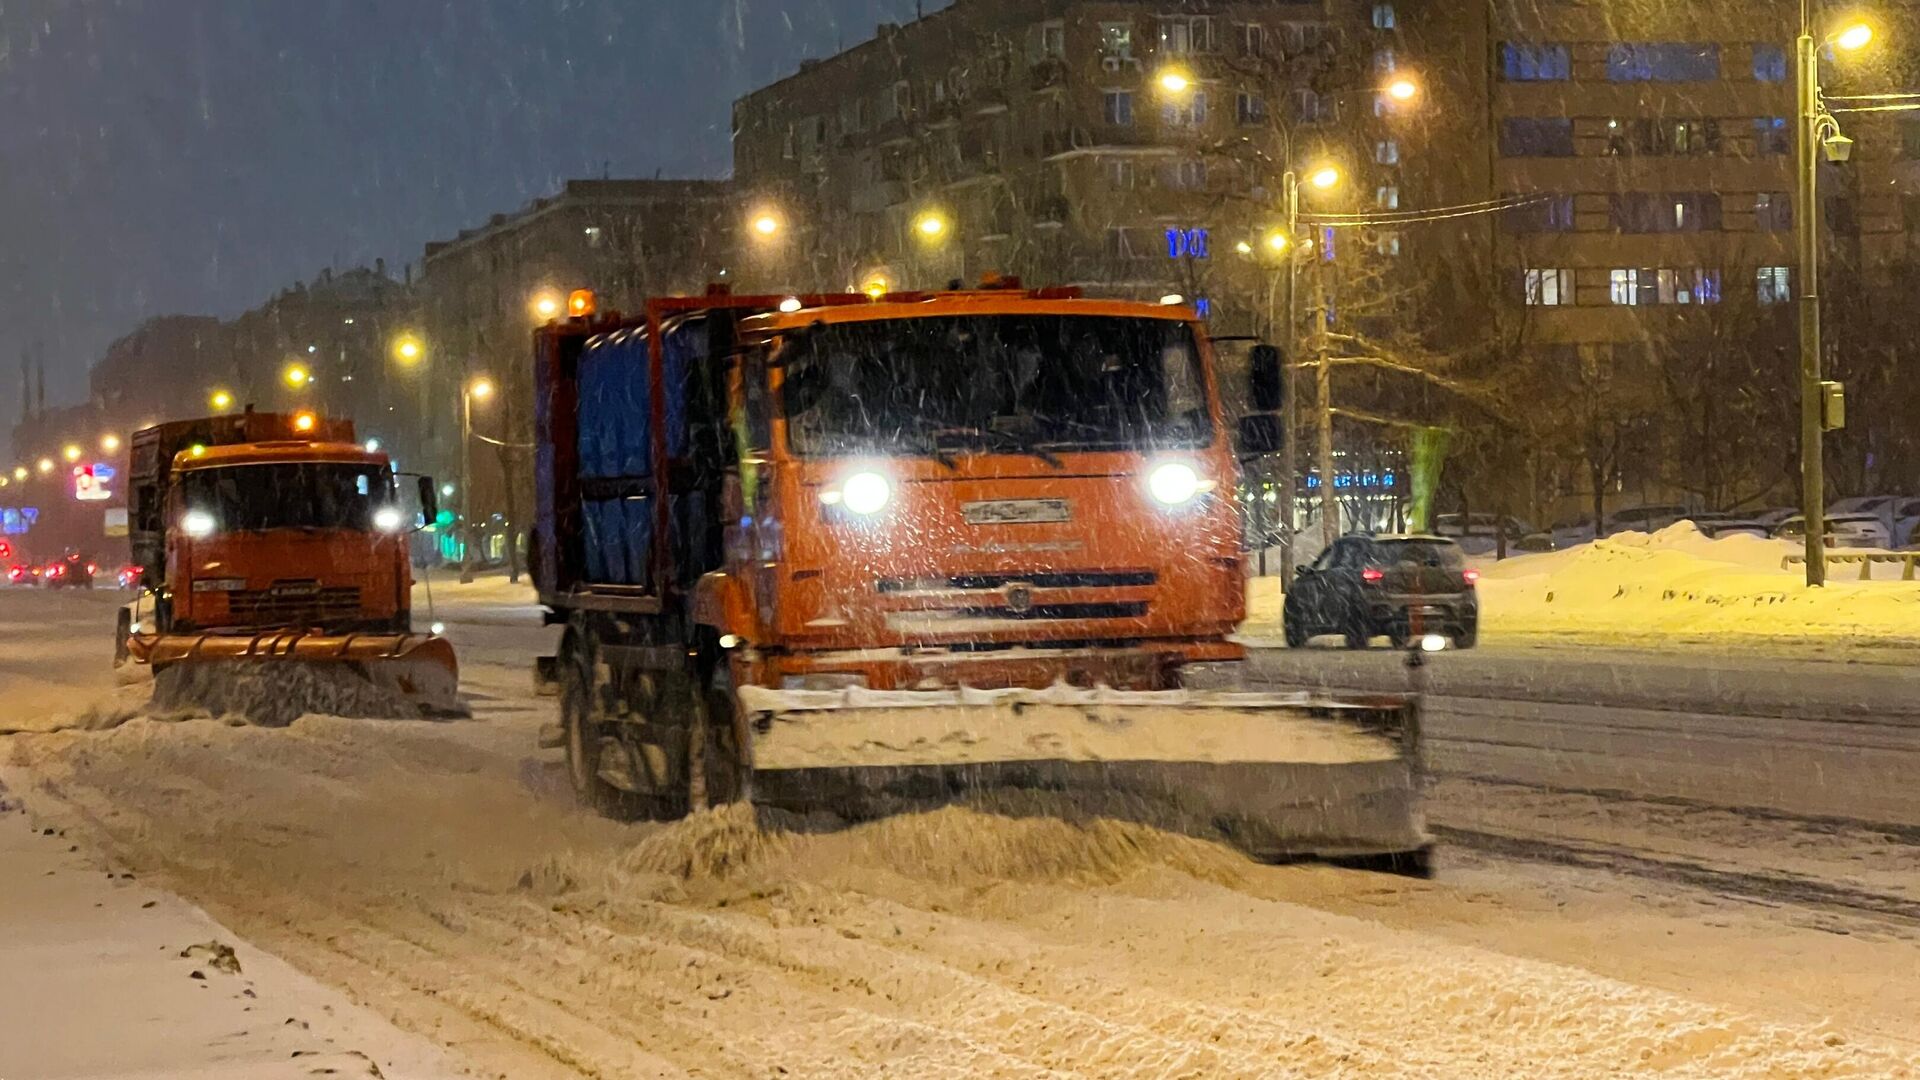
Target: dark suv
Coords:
[(1366, 586)]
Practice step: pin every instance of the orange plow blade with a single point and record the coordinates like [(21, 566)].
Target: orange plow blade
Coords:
[(276, 676)]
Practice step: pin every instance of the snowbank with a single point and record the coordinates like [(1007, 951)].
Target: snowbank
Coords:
[(1677, 584), (1668, 586)]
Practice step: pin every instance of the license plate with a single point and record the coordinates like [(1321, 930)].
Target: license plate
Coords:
[(1017, 512)]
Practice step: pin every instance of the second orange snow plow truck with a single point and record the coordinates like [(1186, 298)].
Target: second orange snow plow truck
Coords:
[(832, 552), (275, 551)]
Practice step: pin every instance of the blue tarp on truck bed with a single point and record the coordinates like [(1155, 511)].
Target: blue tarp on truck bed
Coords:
[(616, 435)]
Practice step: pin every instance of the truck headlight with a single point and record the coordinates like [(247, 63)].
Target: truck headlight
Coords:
[(197, 524), (387, 519), (1175, 484), (863, 493)]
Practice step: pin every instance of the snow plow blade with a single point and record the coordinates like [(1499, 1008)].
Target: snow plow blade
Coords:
[(276, 676), (1278, 775)]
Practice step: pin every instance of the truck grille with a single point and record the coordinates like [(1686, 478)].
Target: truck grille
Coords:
[(1039, 579), (292, 603)]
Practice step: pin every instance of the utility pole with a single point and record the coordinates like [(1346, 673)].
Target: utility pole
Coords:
[(1289, 333), (1323, 383), (1806, 216)]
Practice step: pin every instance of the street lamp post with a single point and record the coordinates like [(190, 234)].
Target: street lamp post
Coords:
[(1812, 465), (478, 388), (1816, 133)]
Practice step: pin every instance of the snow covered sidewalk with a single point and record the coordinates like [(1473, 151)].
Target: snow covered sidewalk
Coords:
[(1671, 587), (104, 977)]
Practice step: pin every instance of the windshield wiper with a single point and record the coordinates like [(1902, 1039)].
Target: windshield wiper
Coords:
[(1005, 440), (930, 447)]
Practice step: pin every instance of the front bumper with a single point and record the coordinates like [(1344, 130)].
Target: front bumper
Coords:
[(1144, 665)]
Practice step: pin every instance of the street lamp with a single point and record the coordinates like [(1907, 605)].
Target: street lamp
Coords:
[(1403, 89), (1175, 81), (765, 223), (1816, 132), (45, 465), (19, 472), (110, 442), (931, 225), (408, 349), (71, 453), (297, 375), (547, 304), (479, 389), (221, 401)]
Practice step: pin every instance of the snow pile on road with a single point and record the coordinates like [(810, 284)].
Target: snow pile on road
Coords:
[(1676, 584), (966, 941)]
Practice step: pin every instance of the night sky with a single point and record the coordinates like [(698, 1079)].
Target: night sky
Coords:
[(195, 156)]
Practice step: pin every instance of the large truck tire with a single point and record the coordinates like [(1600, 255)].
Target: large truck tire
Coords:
[(585, 729)]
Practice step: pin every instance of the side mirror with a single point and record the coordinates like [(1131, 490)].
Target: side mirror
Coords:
[(429, 499), (1267, 378), (1262, 433)]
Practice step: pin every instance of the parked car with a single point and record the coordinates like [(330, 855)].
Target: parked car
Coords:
[(1481, 534), (1643, 518), (24, 574), (1716, 524), (1367, 586), (1773, 517), (1843, 530)]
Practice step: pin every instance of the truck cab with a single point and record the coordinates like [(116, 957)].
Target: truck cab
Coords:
[(287, 533), (988, 488)]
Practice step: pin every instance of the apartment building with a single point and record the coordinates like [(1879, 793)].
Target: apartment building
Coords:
[(1036, 138), (481, 294)]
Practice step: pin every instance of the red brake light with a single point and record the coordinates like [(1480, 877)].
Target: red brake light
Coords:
[(1472, 576), (1372, 574), (94, 568)]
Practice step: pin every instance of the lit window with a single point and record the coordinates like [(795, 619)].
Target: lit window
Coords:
[(1524, 62), (1386, 152), (1383, 61), (1387, 243), (1116, 40), (595, 236), (1383, 17), (1770, 63), (1119, 108), (1053, 40), (1387, 197), (1623, 287), (1549, 288), (1774, 284)]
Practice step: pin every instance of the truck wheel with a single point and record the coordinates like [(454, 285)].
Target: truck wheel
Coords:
[(1357, 633), (1295, 634), (584, 728)]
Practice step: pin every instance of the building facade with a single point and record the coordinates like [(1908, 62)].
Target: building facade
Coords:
[(1041, 139), (482, 294)]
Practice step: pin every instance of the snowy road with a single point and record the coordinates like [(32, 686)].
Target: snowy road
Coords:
[(1628, 890)]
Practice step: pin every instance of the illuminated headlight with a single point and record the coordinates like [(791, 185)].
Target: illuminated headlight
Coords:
[(1175, 484), (387, 519), (863, 493), (437, 629), (197, 523)]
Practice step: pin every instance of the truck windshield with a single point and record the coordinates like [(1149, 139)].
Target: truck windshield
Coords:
[(994, 383), (300, 495)]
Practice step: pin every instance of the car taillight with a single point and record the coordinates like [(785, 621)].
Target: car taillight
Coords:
[(93, 568), (1472, 576), (1372, 574)]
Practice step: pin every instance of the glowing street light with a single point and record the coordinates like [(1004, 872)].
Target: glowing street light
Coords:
[(765, 225), (297, 375), (1277, 241), (1854, 37), (221, 400), (71, 453), (45, 465), (1175, 81), (931, 225), (547, 304), (1403, 89), (1243, 248), (1324, 177), (482, 388), (19, 472), (110, 442), (408, 349)]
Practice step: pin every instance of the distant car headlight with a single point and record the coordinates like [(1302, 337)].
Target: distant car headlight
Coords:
[(387, 519), (197, 523), (865, 493), (1175, 484)]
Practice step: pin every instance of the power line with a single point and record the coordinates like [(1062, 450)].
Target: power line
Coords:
[(1414, 217)]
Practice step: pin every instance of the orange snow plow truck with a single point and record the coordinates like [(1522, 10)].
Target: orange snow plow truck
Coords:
[(274, 552), (845, 553)]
